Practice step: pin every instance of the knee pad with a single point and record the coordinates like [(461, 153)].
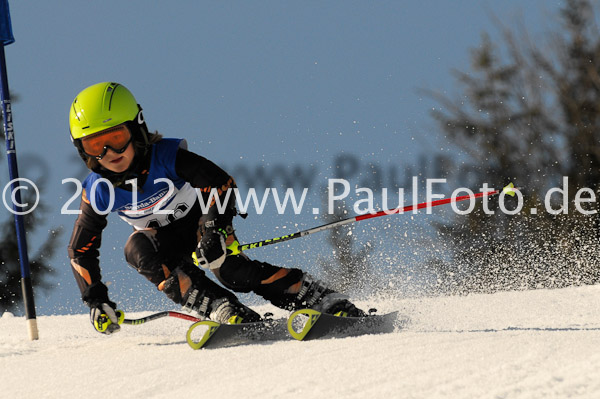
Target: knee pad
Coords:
[(141, 253), (140, 245)]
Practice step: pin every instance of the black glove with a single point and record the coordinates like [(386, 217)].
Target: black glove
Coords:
[(103, 314), (212, 249), (105, 318)]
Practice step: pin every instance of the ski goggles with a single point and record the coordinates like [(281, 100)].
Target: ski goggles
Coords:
[(116, 138)]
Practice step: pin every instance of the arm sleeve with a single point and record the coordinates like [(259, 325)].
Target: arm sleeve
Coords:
[(84, 254), (199, 171), (206, 176)]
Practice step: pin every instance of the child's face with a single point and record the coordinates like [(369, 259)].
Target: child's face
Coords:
[(118, 162)]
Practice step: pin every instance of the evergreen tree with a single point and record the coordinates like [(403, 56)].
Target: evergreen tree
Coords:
[(10, 272), (531, 115)]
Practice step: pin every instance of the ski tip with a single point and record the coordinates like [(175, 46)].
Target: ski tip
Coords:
[(509, 189), (310, 314), (210, 327)]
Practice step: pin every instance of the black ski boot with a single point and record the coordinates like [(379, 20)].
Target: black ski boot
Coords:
[(315, 295), (224, 310), (197, 293)]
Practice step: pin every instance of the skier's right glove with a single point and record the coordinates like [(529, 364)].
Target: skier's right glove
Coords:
[(105, 318), (212, 250)]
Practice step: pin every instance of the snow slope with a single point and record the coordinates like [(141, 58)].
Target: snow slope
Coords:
[(528, 344)]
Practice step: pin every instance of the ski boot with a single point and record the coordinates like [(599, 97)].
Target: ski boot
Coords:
[(314, 294), (197, 293), (224, 310)]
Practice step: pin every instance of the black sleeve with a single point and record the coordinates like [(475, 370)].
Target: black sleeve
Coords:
[(207, 176), (199, 171), (84, 254)]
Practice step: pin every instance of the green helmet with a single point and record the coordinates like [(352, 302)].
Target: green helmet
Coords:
[(102, 106)]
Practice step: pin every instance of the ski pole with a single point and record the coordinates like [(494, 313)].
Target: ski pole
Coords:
[(6, 38), (160, 315), (509, 189), (103, 323)]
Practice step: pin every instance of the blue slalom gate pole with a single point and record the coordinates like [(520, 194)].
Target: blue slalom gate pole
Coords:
[(6, 38)]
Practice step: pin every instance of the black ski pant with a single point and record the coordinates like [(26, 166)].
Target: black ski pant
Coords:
[(156, 253)]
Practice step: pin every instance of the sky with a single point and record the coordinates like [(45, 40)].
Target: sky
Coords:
[(287, 88)]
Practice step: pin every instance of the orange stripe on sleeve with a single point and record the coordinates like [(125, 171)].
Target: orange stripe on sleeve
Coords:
[(84, 197), (83, 272)]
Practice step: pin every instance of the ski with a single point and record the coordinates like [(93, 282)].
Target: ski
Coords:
[(302, 325), (210, 334), (308, 324)]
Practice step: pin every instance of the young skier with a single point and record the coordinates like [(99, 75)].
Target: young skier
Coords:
[(154, 183)]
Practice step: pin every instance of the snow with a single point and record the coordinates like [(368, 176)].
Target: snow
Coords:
[(525, 344)]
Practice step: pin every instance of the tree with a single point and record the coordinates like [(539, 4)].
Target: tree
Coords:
[(529, 115), (10, 274)]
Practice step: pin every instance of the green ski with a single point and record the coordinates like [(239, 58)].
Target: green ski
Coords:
[(210, 334), (308, 324)]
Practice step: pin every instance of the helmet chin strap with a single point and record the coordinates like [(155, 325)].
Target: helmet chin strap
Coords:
[(142, 129)]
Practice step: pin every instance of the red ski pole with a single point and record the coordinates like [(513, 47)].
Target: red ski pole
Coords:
[(510, 190)]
